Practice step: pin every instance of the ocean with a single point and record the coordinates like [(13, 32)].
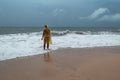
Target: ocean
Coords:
[(26, 41)]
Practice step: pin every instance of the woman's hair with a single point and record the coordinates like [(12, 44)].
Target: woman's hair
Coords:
[(46, 26)]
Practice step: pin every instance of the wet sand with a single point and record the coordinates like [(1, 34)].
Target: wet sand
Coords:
[(100, 63)]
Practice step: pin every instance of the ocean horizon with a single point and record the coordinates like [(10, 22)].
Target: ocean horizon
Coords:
[(14, 30)]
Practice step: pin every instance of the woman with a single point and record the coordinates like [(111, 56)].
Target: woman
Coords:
[(46, 36)]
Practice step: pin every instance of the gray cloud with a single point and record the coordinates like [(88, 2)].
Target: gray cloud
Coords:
[(103, 14), (112, 18), (57, 12), (97, 13)]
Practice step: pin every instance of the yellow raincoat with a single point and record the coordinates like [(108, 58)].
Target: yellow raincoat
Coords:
[(47, 35)]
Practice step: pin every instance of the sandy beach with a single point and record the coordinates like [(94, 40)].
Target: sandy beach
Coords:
[(99, 63)]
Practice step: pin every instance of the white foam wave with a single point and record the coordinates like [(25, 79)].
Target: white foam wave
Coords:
[(65, 32), (17, 45)]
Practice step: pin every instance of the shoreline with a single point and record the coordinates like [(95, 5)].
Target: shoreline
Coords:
[(98, 63), (21, 57)]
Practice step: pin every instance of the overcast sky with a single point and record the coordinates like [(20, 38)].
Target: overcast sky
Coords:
[(60, 12)]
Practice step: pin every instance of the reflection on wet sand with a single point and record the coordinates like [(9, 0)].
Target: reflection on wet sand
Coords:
[(47, 57)]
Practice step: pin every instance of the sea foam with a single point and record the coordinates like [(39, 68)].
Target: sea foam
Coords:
[(26, 44)]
